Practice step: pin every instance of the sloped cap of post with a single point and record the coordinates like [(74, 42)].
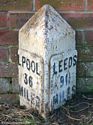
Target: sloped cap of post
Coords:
[(47, 19), (45, 26)]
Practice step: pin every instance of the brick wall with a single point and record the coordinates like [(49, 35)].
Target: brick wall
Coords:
[(13, 15)]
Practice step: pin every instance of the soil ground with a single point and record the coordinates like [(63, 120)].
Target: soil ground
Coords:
[(78, 111)]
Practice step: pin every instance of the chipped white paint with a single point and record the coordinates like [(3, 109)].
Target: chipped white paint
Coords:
[(62, 78), (47, 55), (30, 74)]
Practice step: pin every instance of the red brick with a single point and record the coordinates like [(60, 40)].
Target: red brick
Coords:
[(9, 98), (62, 4), (79, 37), (15, 85), (89, 37), (85, 53), (85, 85), (8, 70), (3, 19), (14, 54), (85, 69), (8, 38), (80, 20), (17, 20), (9, 85), (90, 5), (84, 38), (5, 85), (6, 5), (80, 69), (4, 54)]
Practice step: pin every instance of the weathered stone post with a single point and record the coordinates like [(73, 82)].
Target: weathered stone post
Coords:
[(47, 61)]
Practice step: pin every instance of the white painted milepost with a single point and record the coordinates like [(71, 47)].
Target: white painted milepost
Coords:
[(47, 61)]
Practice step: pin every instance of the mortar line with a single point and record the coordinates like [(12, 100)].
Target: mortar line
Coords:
[(72, 12), (8, 21), (33, 6), (85, 5), (86, 29)]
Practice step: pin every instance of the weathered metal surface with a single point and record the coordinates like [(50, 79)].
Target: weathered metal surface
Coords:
[(49, 41)]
